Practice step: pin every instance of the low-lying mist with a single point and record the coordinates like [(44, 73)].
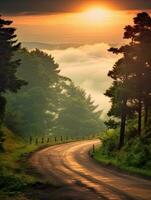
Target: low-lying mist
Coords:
[(88, 66)]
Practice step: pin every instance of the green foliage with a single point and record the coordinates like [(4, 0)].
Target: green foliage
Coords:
[(50, 104), (130, 96), (78, 115), (136, 153), (130, 92), (109, 142), (131, 129), (14, 179), (8, 67), (11, 184), (135, 156), (28, 109), (111, 124)]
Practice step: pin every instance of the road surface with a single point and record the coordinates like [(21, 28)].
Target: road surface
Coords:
[(82, 178)]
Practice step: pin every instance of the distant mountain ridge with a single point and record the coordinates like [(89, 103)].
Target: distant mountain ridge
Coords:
[(40, 45)]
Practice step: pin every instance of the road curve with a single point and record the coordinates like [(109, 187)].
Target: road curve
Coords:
[(69, 165)]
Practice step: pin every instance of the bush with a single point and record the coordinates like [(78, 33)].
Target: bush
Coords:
[(109, 142), (11, 185), (135, 154)]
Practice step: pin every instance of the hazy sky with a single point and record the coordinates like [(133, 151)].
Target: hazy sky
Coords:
[(25, 7), (85, 27), (95, 24), (83, 21), (86, 21)]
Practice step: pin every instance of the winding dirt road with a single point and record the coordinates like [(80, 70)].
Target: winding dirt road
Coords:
[(82, 178)]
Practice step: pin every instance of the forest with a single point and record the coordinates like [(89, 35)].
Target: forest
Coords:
[(127, 142), (36, 101), (44, 103)]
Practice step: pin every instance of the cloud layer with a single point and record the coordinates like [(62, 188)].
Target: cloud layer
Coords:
[(88, 66), (24, 7)]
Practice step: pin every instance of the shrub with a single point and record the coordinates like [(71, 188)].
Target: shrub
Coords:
[(109, 142), (133, 154), (11, 184), (136, 151)]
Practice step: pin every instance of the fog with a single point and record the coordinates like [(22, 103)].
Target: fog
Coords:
[(88, 66)]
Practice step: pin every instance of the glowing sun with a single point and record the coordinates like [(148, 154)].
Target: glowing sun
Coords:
[(96, 14)]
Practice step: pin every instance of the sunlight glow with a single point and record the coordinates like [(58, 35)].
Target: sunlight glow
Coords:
[(97, 14)]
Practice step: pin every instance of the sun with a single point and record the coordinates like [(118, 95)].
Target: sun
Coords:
[(96, 14)]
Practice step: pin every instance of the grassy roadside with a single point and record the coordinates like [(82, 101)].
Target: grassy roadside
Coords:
[(115, 163), (16, 176)]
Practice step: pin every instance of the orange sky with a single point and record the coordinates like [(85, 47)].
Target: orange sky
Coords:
[(86, 27), (88, 64)]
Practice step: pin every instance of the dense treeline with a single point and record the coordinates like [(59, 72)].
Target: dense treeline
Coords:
[(131, 91), (26, 111), (130, 95), (78, 115), (48, 103)]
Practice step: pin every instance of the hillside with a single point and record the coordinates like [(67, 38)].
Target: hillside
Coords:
[(40, 45)]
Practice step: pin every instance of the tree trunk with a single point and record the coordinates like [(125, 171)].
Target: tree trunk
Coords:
[(2, 112), (123, 123), (2, 108), (146, 114), (139, 116)]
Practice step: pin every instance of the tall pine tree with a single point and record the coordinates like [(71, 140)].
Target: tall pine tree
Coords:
[(140, 36), (8, 66)]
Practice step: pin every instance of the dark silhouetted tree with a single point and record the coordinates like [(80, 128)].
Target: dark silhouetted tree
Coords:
[(120, 91), (140, 36), (131, 88), (8, 66)]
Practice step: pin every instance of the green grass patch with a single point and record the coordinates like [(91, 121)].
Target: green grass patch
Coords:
[(117, 164), (13, 177)]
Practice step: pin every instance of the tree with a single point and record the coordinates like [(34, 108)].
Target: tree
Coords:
[(78, 115), (121, 90), (50, 103), (8, 66), (140, 36), (130, 91), (35, 106)]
